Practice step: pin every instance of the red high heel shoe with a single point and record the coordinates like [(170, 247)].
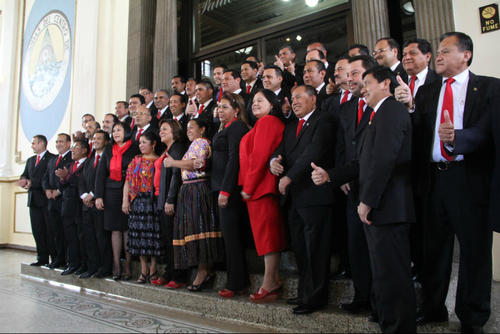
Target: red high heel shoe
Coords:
[(264, 296), (226, 293)]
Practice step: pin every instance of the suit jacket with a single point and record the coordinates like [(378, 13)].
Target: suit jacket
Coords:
[(51, 181), (258, 85), (330, 73), (184, 121), (321, 97), (36, 194), (153, 110), (71, 205), (480, 95), (128, 121), (102, 180), (226, 157), (166, 115), (86, 182), (313, 144), (431, 76), (289, 80), (160, 147), (170, 178), (385, 165), (483, 134), (401, 72)]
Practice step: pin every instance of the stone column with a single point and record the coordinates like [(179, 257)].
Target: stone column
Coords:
[(141, 23), (432, 19), (165, 43), (370, 21)]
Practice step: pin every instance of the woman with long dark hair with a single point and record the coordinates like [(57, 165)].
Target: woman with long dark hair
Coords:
[(260, 190), (110, 178)]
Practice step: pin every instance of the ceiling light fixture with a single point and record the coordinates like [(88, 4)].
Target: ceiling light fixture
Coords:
[(312, 3)]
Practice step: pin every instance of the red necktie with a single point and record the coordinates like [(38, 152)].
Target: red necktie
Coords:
[(201, 109), (132, 124), (75, 167), (299, 127), (96, 160), (138, 135), (412, 84), (360, 110), (371, 116), (220, 93), (447, 105), (249, 88), (58, 160), (90, 149), (158, 116), (345, 97), (37, 160)]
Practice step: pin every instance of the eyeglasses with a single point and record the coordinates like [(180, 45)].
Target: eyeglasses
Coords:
[(376, 52)]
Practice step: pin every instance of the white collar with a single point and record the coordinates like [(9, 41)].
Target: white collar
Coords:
[(460, 77), (251, 83), (178, 117), (237, 91), (393, 67), (64, 154), (379, 104), (42, 154), (277, 91), (82, 160), (422, 74), (320, 87), (163, 110), (149, 104), (306, 117), (206, 103), (143, 128), (124, 118)]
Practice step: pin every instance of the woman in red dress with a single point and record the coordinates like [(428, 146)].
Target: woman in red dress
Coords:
[(260, 189)]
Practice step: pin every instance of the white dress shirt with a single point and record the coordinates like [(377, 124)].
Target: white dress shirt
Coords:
[(420, 80), (459, 88), (393, 67)]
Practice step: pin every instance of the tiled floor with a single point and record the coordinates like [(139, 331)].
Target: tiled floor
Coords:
[(31, 306)]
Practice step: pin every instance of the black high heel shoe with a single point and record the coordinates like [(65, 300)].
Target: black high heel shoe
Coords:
[(199, 287)]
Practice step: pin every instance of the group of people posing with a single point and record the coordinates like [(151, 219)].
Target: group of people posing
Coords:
[(401, 153)]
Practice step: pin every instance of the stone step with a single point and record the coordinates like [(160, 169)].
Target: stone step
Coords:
[(274, 317)]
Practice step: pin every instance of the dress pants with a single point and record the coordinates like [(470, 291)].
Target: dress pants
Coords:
[(451, 210), (310, 233), (56, 230), (392, 290), (339, 230), (235, 226), (167, 230), (359, 258), (70, 225), (41, 233), (97, 241)]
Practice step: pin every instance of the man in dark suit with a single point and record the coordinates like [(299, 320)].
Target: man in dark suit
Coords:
[(343, 94), (31, 180), (71, 209), (143, 125), (455, 188), (386, 202), (314, 75), (134, 102), (330, 68), (358, 50), (149, 100), (272, 79), (387, 53), (51, 187), (97, 240), (161, 100), (354, 117), (218, 76), (121, 111), (204, 94), (319, 55), (177, 106), (179, 84), (292, 72), (306, 140), (231, 83), (249, 70)]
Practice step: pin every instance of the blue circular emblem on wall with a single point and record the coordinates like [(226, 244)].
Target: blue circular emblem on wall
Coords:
[(46, 67)]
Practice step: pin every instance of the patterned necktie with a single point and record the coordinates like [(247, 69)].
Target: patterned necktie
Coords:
[(447, 105), (299, 127), (360, 110), (412, 84), (345, 97)]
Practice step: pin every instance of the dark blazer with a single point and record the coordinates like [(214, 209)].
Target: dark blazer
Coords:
[(86, 182), (153, 110), (226, 158), (321, 96), (481, 92), (128, 121), (483, 134), (330, 73), (166, 115), (36, 194), (51, 181), (160, 147), (289, 79), (258, 85), (102, 180), (184, 121), (314, 144), (385, 160), (170, 178), (71, 205), (401, 72), (431, 76)]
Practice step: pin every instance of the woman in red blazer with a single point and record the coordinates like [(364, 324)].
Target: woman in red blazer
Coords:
[(260, 189)]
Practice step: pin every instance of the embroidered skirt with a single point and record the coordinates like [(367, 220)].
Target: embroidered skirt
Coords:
[(197, 234), (144, 231)]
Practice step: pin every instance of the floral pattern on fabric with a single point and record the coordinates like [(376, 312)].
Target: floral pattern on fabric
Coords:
[(140, 176), (199, 148)]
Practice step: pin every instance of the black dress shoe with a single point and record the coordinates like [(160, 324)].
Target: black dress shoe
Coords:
[(87, 274), (356, 307), (101, 274), (69, 271), (81, 270), (56, 264), (425, 318), (39, 263), (293, 301), (373, 317), (302, 309), (471, 329)]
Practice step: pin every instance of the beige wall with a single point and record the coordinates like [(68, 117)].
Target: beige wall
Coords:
[(98, 80), (485, 62)]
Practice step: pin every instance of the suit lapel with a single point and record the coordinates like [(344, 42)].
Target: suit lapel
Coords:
[(305, 127), (471, 97)]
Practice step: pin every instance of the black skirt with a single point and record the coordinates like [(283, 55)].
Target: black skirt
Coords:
[(114, 218)]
